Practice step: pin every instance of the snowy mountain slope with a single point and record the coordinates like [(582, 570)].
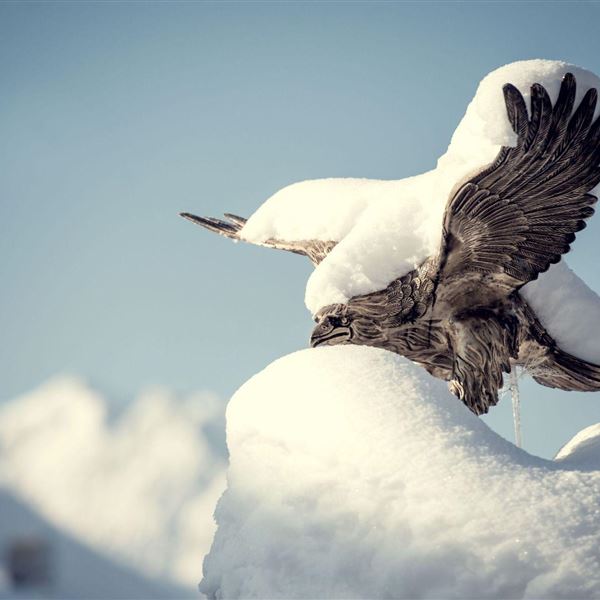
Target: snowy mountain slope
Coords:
[(140, 486), (74, 570), (386, 228), (355, 474)]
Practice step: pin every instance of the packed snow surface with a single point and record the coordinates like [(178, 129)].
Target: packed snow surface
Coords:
[(387, 228), (355, 474), (139, 486)]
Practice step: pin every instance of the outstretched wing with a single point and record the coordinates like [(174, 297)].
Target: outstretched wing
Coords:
[(518, 216), (316, 250)]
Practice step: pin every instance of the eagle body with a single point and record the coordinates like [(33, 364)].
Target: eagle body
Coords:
[(467, 335), (460, 313)]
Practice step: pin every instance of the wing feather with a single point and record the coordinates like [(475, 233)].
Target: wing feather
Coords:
[(519, 215), (315, 250)]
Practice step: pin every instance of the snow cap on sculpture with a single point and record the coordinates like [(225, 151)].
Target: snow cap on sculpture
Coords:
[(384, 229), (393, 236), (485, 127)]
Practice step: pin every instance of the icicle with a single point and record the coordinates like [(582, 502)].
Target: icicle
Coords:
[(516, 405)]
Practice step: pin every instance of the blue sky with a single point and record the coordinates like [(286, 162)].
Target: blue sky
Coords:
[(116, 116)]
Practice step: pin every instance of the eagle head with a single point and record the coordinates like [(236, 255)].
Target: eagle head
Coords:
[(343, 324)]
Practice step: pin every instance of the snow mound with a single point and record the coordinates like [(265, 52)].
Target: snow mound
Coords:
[(583, 451), (354, 474), (146, 478), (387, 228)]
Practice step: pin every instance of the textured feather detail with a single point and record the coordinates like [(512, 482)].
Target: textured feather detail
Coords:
[(315, 250), (566, 372), (482, 345), (405, 299), (520, 215)]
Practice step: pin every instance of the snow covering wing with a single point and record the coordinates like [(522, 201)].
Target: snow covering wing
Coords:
[(519, 215), (393, 235), (568, 309), (315, 250)]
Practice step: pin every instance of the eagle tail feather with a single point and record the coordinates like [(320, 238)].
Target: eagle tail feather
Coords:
[(567, 372)]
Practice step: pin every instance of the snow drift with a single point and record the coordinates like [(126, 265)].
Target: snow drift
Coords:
[(355, 474), (387, 228)]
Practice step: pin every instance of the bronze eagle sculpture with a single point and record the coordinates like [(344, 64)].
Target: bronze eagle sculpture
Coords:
[(460, 314)]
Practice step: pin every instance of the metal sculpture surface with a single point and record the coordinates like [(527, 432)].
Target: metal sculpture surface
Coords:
[(460, 314)]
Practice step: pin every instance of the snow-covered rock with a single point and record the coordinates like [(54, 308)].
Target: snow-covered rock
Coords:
[(386, 228), (139, 486), (354, 474)]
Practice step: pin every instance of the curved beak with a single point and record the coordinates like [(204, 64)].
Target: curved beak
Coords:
[(326, 333)]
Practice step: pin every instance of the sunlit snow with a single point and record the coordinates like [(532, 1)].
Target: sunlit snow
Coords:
[(355, 474)]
